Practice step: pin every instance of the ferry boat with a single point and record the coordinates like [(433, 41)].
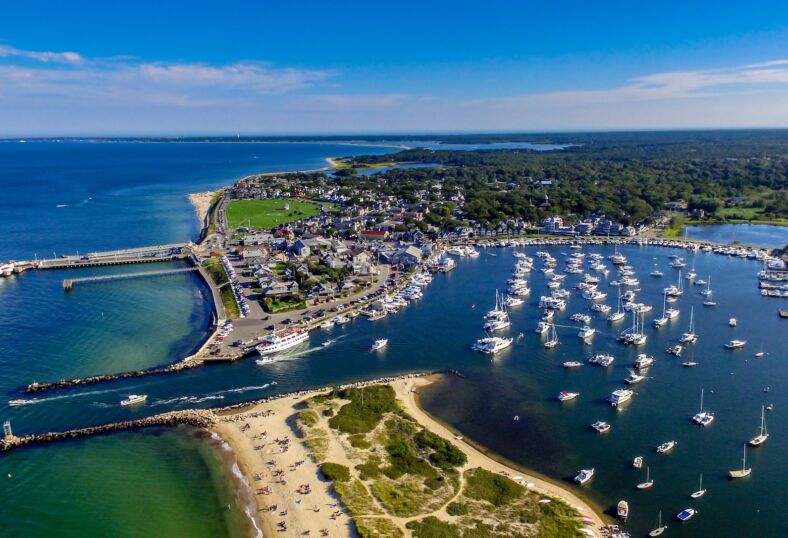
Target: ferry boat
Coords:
[(601, 426), (379, 344), (620, 396), (643, 361), (666, 447), (134, 399), (686, 514), (763, 435), (584, 476), (586, 332), (735, 344), (573, 364), (275, 343), (565, 396)]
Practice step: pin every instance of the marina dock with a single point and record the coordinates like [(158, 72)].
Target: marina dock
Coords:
[(68, 284)]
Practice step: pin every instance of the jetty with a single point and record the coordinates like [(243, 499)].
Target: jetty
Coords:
[(69, 283), (199, 418)]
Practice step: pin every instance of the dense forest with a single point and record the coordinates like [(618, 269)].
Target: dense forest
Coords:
[(629, 178)]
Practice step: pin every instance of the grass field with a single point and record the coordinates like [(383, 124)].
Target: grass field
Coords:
[(269, 213), (219, 276)]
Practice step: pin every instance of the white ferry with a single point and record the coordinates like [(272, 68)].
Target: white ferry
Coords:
[(275, 343)]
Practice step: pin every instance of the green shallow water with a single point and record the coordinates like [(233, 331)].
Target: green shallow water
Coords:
[(161, 483)]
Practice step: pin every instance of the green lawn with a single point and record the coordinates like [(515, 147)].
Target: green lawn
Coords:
[(268, 213)]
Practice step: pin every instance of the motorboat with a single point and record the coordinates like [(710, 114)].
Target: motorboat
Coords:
[(622, 510), (689, 364), (675, 350), (602, 359), (600, 426), (573, 364), (634, 378), (620, 396), (586, 332), (329, 323), (666, 447), (686, 514), (732, 322), (584, 476), (643, 361), (134, 399), (565, 396), (761, 438), (17, 403), (637, 463), (269, 360), (735, 344), (542, 327), (379, 344), (492, 345), (744, 471)]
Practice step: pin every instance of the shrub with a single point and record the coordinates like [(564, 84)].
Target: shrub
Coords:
[(444, 454), (335, 472), (359, 441), (432, 527), (495, 489), (365, 410), (457, 509)]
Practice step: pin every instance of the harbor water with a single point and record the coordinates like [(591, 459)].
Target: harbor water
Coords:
[(107, 327)]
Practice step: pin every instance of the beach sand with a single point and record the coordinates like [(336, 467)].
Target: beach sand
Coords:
[(257, 435), (201, 202)]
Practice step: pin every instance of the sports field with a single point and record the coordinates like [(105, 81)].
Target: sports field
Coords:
[(268, 213)]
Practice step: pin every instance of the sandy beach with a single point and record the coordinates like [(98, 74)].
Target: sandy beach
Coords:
[(201, 202), (294, 500)]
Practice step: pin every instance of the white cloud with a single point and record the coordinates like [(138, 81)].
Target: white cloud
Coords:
[(41, 56)]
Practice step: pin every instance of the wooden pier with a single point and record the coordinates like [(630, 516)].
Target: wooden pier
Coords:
[(68, 284)]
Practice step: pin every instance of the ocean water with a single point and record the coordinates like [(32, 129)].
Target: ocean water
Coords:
[(107, 327), (67, 197), (762, 235)]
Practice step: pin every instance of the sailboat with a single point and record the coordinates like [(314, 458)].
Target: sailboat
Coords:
[(648, 483), (553, 340), (700, 492), (744, 471), (760, 354), (703, 418), (707, 291), (619, 313), (660, 528), (659, 322), (690, 337), (764, 435)]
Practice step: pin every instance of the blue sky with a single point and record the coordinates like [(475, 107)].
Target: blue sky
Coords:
[(266, 67)]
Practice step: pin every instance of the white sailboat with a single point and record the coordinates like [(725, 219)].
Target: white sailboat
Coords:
[(703, 418), (690, 337), (553, 340), (659, 322), (660, 528), (619, 313), (649, 482), (700, 492), (764, 435), (744, 471)]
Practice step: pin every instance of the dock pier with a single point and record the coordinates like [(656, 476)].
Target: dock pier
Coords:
[(68, 284)]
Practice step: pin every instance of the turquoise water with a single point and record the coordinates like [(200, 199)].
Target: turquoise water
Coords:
[(66, 197), (118, 326), (762, 235)]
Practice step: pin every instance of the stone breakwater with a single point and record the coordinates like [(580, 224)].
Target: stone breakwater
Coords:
[(78, 382), (198, 418)]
